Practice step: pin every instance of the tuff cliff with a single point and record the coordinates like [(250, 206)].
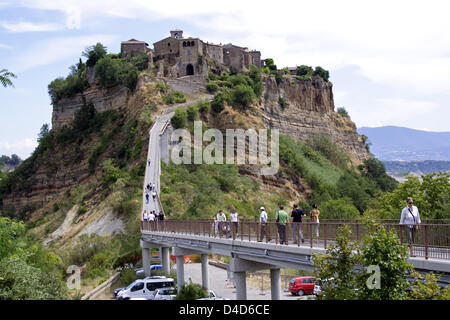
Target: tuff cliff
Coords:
[(309, 110)]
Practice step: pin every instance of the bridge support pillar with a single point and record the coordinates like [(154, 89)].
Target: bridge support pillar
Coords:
[(165, 259), (275, 284), (180, 272), (241, 285), (146, 261), (205, 275)]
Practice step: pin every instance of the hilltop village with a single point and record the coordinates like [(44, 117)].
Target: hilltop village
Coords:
[(176, 56)]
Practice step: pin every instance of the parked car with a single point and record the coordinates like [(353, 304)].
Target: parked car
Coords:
[(213, 296), (140, 271), (302, 285), (164, 294), (144, 288), (116, 291), (319, 284)]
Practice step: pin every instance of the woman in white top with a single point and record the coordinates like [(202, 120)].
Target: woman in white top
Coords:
[(411, 219), (145, 215), (234, 221)]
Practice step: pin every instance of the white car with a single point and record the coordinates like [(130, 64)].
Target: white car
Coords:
[(144, 288), (213, 296), (164, 294)]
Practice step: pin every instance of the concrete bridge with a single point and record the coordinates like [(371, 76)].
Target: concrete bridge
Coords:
[(431, 251)]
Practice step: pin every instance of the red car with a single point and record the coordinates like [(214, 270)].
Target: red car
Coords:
[(302, 285)]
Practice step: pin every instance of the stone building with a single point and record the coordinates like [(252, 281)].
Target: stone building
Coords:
[(134, 47), (177, 56)]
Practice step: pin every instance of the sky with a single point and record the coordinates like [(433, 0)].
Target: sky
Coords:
[(389, 61)]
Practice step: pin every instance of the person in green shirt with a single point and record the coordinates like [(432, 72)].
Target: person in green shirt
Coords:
[(282, 218)]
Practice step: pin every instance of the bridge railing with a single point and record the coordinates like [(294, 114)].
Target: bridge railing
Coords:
[(429, 241)]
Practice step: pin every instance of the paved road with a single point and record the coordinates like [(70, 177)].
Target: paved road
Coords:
[(219, 284)]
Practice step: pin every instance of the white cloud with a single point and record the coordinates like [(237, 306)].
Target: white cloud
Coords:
[(25, 26), (23, 148), (56, 49)]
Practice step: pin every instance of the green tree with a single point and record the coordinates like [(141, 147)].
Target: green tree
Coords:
[(431, 194), (324, 74), (302, 70), (337, 267), (384, 250), (342, 208), (94, 53), (271, 64), (5, 78)]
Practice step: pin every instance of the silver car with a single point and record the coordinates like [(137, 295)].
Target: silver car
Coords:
[(164, 294)]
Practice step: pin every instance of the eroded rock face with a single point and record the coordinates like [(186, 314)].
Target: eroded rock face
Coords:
[(309, 111), (103, 99)]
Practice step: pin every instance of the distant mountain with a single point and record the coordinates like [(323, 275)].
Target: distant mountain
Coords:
[(391, 143), (398, 169)]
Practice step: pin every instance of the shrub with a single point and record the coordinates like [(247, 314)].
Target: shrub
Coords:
[(283, 104), (191, 291), (65, 88), (271, 64), (174, 97), (324, 74), (203, 106), (179, 118), (302, 70), (218, 104), (343, 112), (212, 87), (278, 77), (192, 112), (243, 96)]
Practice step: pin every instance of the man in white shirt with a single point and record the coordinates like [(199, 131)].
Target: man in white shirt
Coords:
[(221, 218), (263, 225), (151, 216), (234, 222), (411, 219)]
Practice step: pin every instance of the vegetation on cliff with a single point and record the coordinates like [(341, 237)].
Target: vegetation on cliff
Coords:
[(109, 69)]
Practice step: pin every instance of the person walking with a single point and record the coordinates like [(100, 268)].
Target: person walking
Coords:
[(263, 225), (281, 219), (147, 197), (221, 218), (297, 219), (154, 195), (234, 222), (410, 218), (314, 219), (145, 216), (151, 216), (149, 162)]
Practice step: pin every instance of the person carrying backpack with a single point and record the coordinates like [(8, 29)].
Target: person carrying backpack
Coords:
[(297, 219)]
